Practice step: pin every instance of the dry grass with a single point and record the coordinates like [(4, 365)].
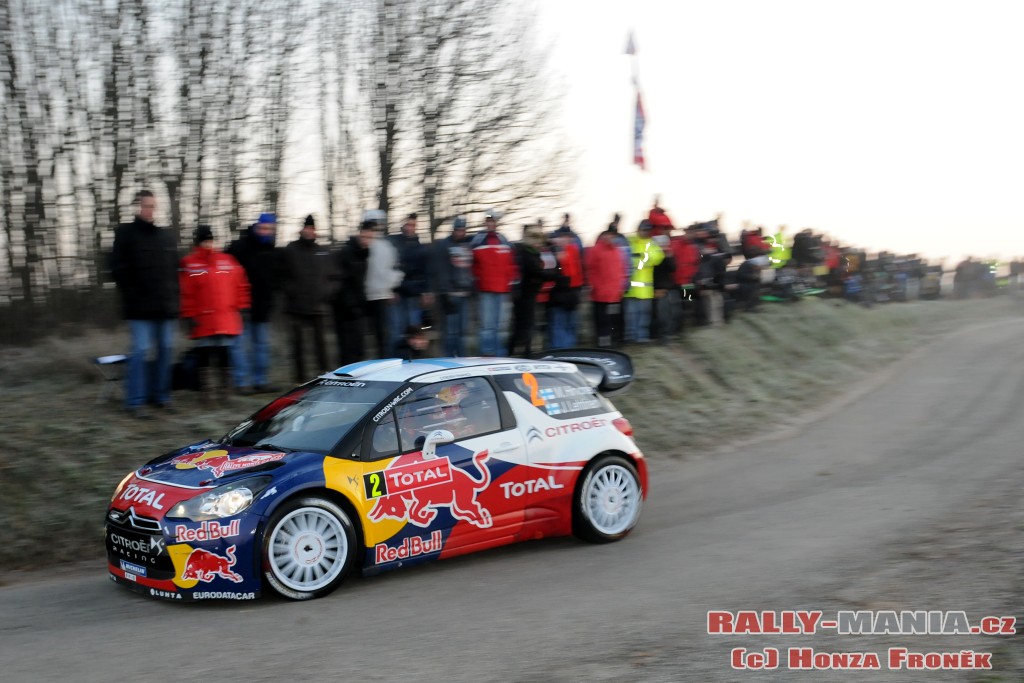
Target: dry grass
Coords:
[(64, 453), (736, 381)]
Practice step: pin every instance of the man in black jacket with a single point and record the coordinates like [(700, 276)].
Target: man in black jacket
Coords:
[(452, 281), (250, 354), (748, 279), (537, 265), (350, 301), (711, 273), (310, 278), (144, 264), (412, 295), (667, 307)]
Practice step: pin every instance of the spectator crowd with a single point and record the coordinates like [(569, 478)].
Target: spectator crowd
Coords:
[(395, 295)]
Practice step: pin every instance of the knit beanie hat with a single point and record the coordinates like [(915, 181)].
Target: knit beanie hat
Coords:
[(202, 234)]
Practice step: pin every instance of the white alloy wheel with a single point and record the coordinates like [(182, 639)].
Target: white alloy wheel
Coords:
[(308, 549), (609, 500)]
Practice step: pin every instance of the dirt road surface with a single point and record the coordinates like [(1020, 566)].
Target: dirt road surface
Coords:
[(905, 495)]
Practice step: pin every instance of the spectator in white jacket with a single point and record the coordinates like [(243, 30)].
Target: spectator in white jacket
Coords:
[(382, 277)]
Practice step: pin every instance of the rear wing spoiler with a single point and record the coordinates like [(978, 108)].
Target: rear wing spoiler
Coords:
[(607, 371)]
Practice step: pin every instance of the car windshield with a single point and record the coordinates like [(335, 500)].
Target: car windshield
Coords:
[(311, 418)]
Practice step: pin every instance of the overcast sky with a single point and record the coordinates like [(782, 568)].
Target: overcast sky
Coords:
[(892, 124)]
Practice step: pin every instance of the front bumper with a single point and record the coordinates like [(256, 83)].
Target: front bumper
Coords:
[(182, 561)]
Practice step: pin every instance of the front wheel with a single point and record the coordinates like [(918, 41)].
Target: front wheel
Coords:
[(308, 548), (607, 503)]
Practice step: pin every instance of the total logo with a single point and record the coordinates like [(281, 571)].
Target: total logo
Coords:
[(141, 494), (515, 489)]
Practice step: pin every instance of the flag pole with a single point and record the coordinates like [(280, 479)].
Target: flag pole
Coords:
[(640, 118)]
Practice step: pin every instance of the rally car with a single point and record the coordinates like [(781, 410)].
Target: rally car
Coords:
[(382, 464)]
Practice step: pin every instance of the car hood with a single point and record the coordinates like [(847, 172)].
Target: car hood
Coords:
[(207, 463)]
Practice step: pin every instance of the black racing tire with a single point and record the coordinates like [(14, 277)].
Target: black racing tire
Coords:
[(309, 547), (608, 500)]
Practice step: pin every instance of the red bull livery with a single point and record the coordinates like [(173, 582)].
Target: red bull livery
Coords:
[(380, 465)]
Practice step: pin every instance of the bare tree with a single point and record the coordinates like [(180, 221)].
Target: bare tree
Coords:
[(435, 104), (6, 147), (462, 107), (25, 113)]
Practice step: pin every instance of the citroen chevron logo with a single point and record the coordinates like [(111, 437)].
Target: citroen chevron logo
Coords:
[(533, 433)]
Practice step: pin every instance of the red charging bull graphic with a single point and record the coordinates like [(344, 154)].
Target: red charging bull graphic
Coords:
[(203, 565), (220, 463), (411, 489)]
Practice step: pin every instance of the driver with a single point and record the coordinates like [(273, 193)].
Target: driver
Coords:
[(444, 413)]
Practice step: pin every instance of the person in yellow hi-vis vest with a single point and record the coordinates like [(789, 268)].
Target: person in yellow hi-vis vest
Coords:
[(780, 251), (640, 295)]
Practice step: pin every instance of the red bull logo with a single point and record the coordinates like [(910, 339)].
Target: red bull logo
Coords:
[(412, 488), (203, 565), (220, 463), (410, 547), (207, 531)]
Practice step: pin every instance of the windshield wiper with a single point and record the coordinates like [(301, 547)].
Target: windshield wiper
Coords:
[(272, 447)]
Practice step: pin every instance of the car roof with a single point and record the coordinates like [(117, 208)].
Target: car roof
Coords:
[(399, 370)]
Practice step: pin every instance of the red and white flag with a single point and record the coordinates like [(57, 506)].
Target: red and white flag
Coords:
[(638, 133)]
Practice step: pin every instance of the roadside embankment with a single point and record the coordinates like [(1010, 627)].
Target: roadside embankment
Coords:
[(760, 372)]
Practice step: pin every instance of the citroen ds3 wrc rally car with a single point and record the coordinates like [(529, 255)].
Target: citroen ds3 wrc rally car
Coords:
[(382, 464)]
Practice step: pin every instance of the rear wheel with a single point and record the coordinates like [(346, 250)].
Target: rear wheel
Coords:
[(308, 548), (607, 502)]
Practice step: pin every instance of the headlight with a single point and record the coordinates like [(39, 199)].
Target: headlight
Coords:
[(223, 501)]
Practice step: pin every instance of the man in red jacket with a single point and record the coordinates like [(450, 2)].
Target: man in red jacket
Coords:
[(214, 291), (606, 272), (495, 271), (565, 295), (687, 254), (752, 243)]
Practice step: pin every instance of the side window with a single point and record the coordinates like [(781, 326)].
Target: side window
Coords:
[(385, 438), (561, 395), (465, 407)]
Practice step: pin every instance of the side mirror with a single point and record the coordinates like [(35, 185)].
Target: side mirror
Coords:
[(438, 436)]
